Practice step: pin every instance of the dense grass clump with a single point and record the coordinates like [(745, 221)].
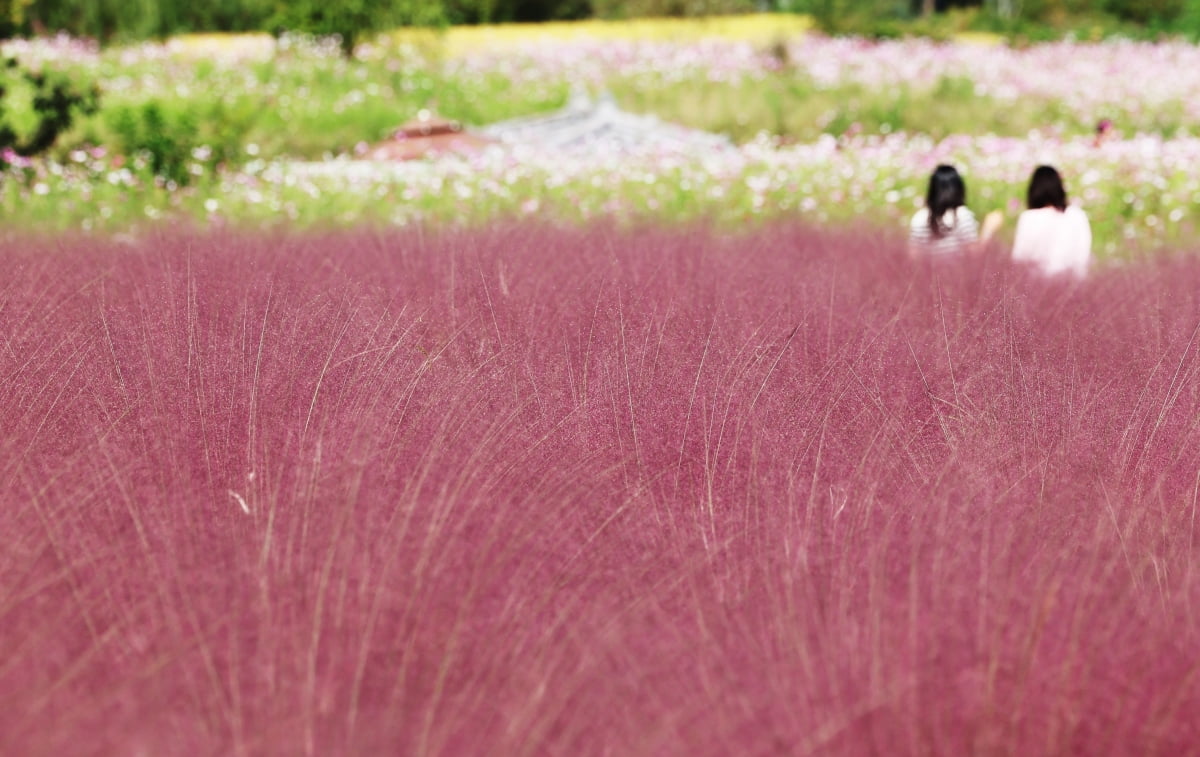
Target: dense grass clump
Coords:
[(542, 491)]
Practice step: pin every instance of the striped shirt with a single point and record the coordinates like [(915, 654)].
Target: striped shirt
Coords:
[(959, 229)]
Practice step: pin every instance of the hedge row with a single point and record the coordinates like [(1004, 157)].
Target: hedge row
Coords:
[(141, 19), (109, 20)]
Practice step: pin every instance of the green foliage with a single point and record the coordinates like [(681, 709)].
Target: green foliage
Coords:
[(1145, 11), (797, 110), (109, 20), (677, 8), (1062, 13), (12, 16), (214, 15), (176, 145), (53, 103), (879, 19), (104, 20), (166, 143), (350, 20), (494, 11), (1188, 21), (1029, 20)]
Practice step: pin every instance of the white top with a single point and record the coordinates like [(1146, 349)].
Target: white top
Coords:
[(959, 229), (1055, 241)]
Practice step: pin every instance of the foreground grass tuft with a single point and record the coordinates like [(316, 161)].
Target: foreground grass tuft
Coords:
[(529, 490)]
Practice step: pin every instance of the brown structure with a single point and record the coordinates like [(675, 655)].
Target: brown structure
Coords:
[(428, 136)]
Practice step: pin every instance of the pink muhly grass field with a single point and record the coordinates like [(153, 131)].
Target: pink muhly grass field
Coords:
[(533, 491)]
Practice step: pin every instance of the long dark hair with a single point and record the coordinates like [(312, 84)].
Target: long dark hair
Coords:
[(1046, 189), (946, 192)]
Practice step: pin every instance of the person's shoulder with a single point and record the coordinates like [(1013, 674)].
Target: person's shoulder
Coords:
[(965, 221), (1032, 223), (1074, 217), (920, 218), (1039, 216)]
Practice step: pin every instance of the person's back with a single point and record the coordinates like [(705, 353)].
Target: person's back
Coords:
[(1051, 234), (1055, 240), (945, 225), (957, 230)]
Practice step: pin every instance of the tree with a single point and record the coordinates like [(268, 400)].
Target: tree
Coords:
[(102, 20), (350, 20), (12, 16)]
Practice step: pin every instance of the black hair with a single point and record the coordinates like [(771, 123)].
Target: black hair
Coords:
[(1046, 189), (946, 192)]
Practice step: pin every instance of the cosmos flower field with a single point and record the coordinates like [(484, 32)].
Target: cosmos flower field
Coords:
[(556, 490), (664, 452), (829, 131)]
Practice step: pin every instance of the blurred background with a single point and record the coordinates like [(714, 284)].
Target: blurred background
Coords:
[(118, 113), (109, 20)]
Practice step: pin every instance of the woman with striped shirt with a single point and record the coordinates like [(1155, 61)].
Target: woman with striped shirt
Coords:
[(945, 225)]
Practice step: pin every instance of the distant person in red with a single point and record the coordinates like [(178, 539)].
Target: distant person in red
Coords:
[(1054, 236), (946, 225), (1104, 132)]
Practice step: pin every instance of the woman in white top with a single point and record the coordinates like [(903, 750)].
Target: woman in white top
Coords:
[(1052, 235), (945, 225)]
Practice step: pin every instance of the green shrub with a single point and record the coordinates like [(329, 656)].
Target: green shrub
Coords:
[(215, 15), (177, 145), (644, 8), (880, 19), (493, 11), (1188, 21), (12, 16), (1145, 11), (104, 20), (50, 104)]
